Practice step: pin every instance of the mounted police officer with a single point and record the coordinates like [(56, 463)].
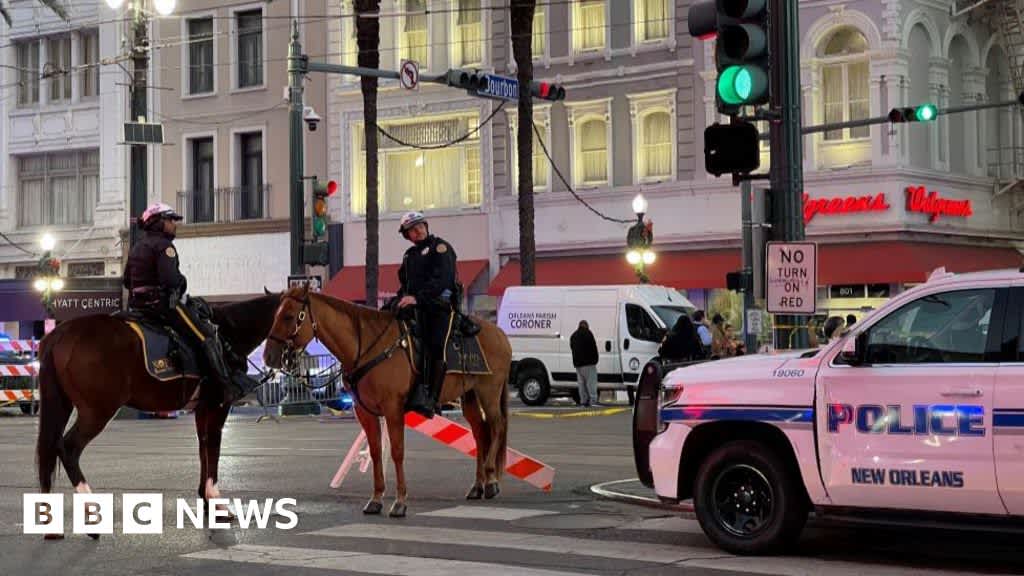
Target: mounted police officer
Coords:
[(158, 290), (428, 283)]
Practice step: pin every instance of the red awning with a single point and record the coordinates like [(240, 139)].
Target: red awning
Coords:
[(350, 282), (693, 269), (898, 262), (863, 263)]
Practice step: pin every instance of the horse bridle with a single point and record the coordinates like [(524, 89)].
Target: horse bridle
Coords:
[(290, 349)]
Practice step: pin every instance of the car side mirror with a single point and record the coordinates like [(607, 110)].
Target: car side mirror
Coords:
[(854, 350)]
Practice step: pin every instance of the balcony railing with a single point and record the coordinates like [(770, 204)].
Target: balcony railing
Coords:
[(231, 204)]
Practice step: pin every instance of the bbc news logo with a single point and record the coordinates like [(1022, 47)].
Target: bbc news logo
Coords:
[(144, 513)]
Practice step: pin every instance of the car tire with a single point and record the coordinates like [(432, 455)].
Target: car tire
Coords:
[(766, 509), (533, 386)]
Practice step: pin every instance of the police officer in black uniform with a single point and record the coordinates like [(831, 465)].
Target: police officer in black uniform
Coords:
[(428, 281), (157, 289)]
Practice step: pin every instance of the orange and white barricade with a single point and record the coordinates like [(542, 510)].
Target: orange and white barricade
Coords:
[(459, 438), (19, 345)]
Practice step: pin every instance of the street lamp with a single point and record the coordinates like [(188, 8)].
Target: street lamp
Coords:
[(48, 281), (639, 240)]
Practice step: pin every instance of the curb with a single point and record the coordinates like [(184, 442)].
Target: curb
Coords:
[(603, 490), (577, 414)]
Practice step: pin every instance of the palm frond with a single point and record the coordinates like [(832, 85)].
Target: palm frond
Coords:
[(5, 14), (57, 8)]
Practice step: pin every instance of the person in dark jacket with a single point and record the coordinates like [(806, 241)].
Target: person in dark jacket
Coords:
[(428, 280), (681, 343), (157, 289), (584, 359)]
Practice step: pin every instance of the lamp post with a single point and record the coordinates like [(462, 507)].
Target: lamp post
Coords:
[(48, 281), (137, 101), (639, 240)]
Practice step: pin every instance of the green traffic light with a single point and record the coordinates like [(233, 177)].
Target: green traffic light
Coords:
[(926, 112), (319, 227), (739, 85)]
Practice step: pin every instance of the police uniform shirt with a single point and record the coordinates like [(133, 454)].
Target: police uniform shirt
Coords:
[(428, 269), (154, 262)]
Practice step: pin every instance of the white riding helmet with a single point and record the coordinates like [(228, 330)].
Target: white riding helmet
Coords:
[(409, 220), (159, 210)]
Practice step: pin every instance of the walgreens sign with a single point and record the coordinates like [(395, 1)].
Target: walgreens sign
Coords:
[(918, 200)]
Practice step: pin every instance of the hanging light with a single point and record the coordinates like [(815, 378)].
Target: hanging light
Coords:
[(634, 257), (40, 284), (649, 257), (57, 284), (115, 4), (47, 242), (164, 7), (639, 204)]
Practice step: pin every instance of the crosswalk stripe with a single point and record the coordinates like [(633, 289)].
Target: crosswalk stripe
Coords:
[(674, 524), (802, 566), (487, 513), (657, 553), (364, 562)]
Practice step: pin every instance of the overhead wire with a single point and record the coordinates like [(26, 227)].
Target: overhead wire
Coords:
[(458, 140)]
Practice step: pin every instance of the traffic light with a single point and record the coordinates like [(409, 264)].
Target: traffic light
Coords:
[(547, 91), (731, 148), (922, 113), (741, 51), (739, 281), (469, 80), (321, 192)]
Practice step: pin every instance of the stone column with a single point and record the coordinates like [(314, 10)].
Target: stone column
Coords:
[(938, 94), (974, 122), (76, 60), (44, 83)]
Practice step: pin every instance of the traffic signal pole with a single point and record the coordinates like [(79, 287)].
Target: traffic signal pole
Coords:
[(787, 176), (295, 145)]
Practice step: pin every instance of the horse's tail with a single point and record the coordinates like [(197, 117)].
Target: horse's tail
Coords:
[(503, 436), (54, 411)]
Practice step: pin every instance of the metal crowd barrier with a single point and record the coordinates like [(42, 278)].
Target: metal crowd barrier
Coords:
[(316, 381), (19, 369)]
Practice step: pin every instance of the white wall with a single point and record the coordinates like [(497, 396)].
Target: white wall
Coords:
[(234, 265)]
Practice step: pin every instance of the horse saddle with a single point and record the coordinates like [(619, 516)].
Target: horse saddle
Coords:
[(166, 354), (462, 351)]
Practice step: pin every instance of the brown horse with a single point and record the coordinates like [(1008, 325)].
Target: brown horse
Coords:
[(372, 348), (95, 364)]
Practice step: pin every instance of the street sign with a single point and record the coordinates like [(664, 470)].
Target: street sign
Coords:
[(409, 75), (792, 277), (754, 325), (501, 87), (315, 282)]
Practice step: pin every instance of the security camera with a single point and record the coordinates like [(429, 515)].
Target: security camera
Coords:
[(311, 118)]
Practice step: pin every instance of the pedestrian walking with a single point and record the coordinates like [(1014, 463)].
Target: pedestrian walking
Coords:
[(584, 359)]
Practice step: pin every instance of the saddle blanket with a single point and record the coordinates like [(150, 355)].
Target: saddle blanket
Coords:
[(463, 355), (165, 355)]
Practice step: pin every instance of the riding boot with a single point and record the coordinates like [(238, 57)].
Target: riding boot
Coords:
[(214, 353), (419, 399)]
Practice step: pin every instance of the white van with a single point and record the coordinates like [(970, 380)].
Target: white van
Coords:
[(628, 323)]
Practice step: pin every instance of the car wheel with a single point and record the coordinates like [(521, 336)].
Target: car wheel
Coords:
[(747, 500), (533, 387)]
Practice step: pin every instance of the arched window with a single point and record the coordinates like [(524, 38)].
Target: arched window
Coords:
[(656, 146), (593, 134), (845, 85)]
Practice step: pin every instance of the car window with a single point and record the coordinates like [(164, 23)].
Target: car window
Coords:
[(641, 326), (950, 327), (669, 314)]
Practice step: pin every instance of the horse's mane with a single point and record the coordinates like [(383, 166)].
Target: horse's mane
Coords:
[(358, 312), (245, 324)]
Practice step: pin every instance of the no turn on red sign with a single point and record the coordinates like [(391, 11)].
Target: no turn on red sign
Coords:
[(792, 277)]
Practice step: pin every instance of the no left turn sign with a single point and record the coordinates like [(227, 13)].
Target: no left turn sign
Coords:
[(409, 75)]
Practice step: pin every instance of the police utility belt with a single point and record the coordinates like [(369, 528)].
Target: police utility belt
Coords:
[(151, 296)]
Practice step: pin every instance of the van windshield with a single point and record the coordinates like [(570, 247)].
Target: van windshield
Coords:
[(669, 314)]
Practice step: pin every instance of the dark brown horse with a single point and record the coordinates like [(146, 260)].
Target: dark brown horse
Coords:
[(95, 364), (368, 343)]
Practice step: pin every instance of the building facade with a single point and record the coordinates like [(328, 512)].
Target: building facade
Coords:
[(225, 112), (62, 172), (640, 93)]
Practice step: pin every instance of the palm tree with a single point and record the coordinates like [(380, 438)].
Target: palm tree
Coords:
[(368, 40), (53, 5), (522, 49)]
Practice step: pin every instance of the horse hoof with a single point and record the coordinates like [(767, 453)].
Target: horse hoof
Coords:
[(397, 510), (53, 537), (475, 493), (373, 507), (491, 490)]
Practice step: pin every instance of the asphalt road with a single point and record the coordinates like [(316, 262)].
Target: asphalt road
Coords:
[(564, 532)]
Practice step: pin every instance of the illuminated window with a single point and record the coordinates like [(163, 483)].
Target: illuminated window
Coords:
[(541, 164), (468, 40), (590, 21), (845, 85), (414, 32), (652, 20)]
